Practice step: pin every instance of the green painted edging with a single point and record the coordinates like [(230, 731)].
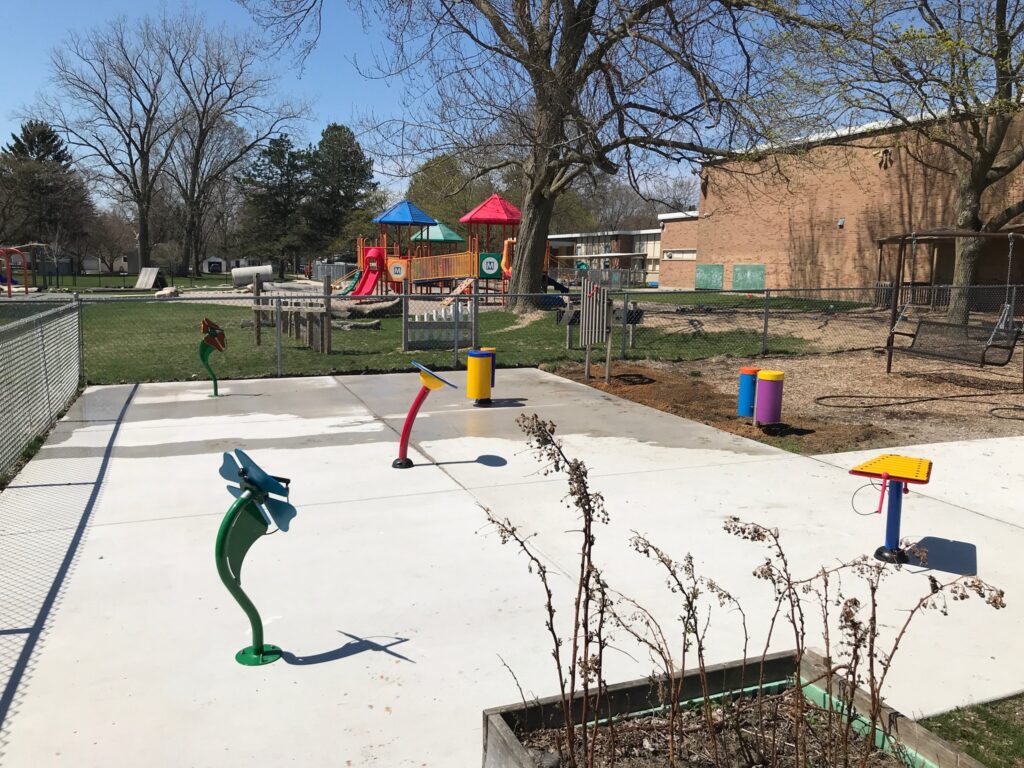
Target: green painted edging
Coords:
[(911, 758)]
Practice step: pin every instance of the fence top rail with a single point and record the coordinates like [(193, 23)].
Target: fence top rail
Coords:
[(33, 318)]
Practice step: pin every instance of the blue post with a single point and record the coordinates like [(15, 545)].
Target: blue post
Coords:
[(891, 552)]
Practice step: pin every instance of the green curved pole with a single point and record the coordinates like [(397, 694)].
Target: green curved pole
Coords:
[(205, 350), (242, 526)]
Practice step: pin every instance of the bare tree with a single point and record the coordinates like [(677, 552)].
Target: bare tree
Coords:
[(112, 237), (556, 89), (946, 71), (113, 100), (228, 108)]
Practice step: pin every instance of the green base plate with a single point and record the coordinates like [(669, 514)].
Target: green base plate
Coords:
[(250, 657)]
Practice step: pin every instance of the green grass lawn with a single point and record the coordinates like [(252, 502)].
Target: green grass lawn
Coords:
[(992, 733), (155, 341)]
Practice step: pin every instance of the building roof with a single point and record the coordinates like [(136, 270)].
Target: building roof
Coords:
[(605, 233), (404, 214), (439, 233), (678, 215), (494, 210)]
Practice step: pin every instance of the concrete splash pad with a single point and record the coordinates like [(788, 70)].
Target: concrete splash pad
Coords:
[(393, 599)]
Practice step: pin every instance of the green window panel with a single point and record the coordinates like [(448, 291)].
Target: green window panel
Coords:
[(748, 277), (710, 277)]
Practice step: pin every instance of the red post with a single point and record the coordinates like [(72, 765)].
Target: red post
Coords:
[(403, 461)]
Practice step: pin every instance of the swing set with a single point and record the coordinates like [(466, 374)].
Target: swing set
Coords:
[(980, 344)]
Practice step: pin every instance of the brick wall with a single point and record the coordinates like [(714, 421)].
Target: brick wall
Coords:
[(682, 235), (784, 213)]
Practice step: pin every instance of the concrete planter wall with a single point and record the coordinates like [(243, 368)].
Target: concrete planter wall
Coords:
[(502, 748)]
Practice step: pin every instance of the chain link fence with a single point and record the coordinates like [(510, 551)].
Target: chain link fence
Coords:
[(287, 333), (40, 372)]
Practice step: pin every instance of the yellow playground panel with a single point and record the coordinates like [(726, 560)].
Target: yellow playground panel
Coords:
[(903, 469)]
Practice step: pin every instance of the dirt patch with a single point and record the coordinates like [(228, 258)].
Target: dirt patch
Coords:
[(746, 732), (835, 402)]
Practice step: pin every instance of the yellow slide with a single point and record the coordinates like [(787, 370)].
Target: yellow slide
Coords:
[(506, 256)]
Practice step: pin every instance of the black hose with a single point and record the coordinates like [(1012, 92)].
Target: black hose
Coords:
[(892, 401)]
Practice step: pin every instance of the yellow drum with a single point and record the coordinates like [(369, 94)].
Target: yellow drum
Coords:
[(479, 370)]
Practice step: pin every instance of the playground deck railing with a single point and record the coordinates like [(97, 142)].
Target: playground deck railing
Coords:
[(40, 372), (447, 265)]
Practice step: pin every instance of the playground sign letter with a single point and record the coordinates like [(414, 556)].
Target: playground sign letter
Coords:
[(490, 266), (397, 269)]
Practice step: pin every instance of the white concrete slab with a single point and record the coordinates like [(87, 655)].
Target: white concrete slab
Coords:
[(391, 594)]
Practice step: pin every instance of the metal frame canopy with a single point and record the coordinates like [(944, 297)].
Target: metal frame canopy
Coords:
[(438, 233), (494, 210), (402, 215), (925, 236)]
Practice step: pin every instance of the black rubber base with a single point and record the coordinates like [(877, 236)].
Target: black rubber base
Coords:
[(891, 555), (484, 402), (401, 463)]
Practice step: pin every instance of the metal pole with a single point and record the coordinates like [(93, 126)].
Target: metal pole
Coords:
[(328, 307), (475, 336), (405, 322), (897, 287), (81, 343), (625, 319), (764, 328), (455, 334), (277, 332)]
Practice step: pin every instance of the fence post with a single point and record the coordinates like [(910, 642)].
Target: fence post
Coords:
[(625, 321), (81, 342), (764, 329), (475, 332), (277, 332), (455, 333), (328, 314), (405, 321)]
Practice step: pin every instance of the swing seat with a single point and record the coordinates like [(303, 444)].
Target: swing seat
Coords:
[(972, 344)]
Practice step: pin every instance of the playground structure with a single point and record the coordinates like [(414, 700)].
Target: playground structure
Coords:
[(401, 259), (981, 344), (303, 316), (7, 271)]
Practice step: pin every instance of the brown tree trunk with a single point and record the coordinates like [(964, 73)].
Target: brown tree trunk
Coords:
[(968, 209), (531, 246), (145, 246)]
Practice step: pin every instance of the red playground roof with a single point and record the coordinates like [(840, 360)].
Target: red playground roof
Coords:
[(494, 210)]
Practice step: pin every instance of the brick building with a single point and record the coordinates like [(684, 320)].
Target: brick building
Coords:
[(815, 220)]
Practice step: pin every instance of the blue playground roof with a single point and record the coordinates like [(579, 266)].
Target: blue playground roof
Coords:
[(404, 214)]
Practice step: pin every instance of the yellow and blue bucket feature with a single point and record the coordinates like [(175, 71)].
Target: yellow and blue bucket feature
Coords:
[(480, 376)]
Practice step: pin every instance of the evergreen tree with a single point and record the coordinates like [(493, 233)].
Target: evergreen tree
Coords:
[(341, 177), (39, 142), (275, 187), (46, 200)]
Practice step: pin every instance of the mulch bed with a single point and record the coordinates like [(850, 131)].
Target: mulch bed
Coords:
[(832, 403)]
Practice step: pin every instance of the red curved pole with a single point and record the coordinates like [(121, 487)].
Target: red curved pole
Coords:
[(403, 461)]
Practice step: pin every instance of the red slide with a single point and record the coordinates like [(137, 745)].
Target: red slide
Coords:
[(374, 260), (367, 283)]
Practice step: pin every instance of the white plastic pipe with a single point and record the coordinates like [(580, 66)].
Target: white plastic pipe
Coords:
[(241, 276)]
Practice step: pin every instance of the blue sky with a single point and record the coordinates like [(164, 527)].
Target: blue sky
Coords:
[(329, 82)]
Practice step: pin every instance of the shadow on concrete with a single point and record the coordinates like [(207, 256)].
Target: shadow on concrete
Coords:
[(487, 459), (353, 647), (508, 402), (946, 555)]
